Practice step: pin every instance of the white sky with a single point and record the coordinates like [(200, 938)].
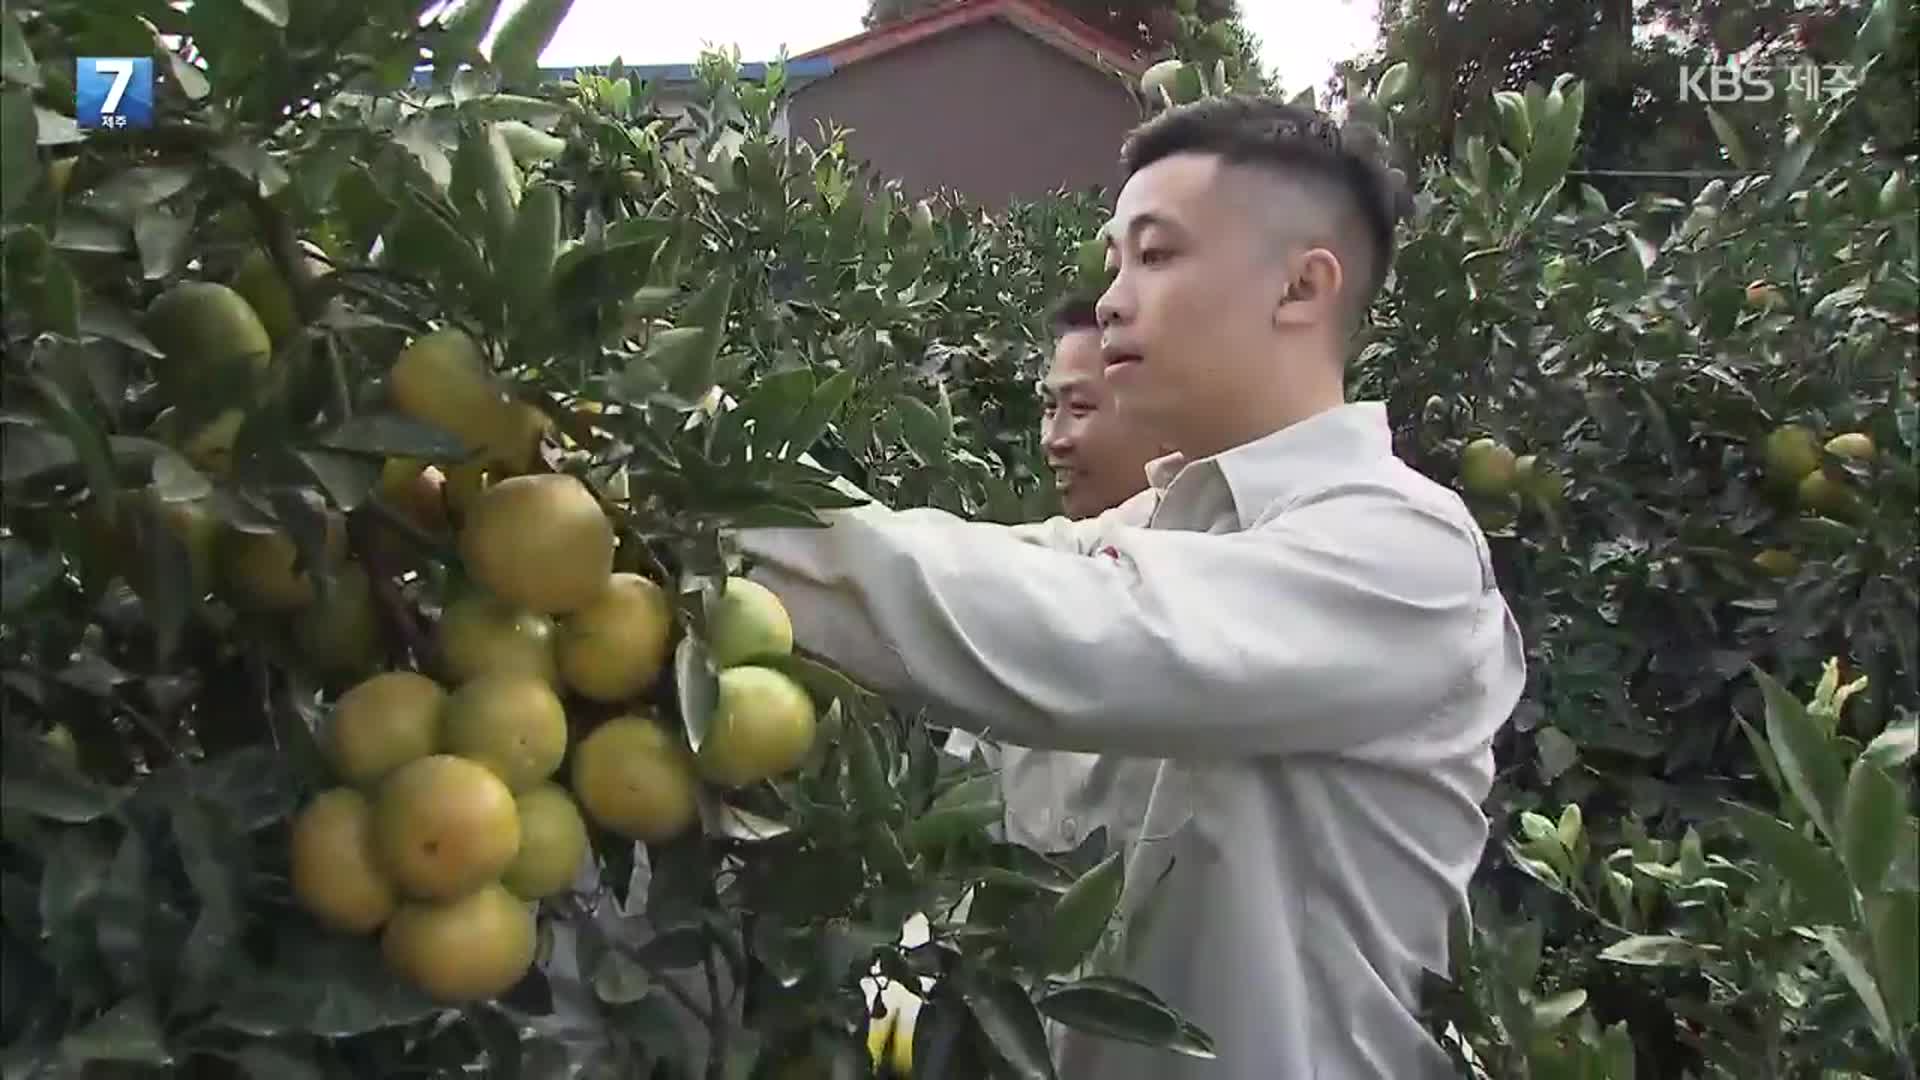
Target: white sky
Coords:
[(1300, 40)]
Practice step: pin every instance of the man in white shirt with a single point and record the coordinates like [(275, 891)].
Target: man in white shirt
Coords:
[(1303, 634)]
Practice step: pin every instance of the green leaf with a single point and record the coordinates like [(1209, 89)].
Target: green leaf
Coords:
[(36, 784), (161, 237), (1551, 1013), (1895, 745), (873, 794), (273, 11), (465, 30), (1651, 950), (25, 574), (1789, 167), (320, 984), (827, 400), (486, 189), (698, 686), (175, 479), (265, 1062), (1012, 1026), (943, 825), (1893, 921), (1730, 138), (1863, 984), (252, 788), (1818, 879), (167, 587), (1538, 827), (524, 36), (188, 77), (924, 434), (56, 129), (1080, 917), (388, 434), (254, 162), (1616, 1054), (973, 791), (722, 819), (527, 266), (1871, 812), (86, 233), (37, 274), (1393, 85), (1876, 32), (214, 858), (347, 479), (821, 682), (19, 163), (770, 408), (1571, 827), (1514, 120), (886, 857), (689, 362), (129, 1033), (1119, 1009), (425, 241), (1553, 145), (1807, 762), (1556, 751), (17, 64), (1763, 754), (89, 444)]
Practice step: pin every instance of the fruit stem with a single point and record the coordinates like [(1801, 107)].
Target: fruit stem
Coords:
[(393, 607), (337, 375)]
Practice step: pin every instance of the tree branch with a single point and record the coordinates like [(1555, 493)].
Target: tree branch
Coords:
[(399, 616)]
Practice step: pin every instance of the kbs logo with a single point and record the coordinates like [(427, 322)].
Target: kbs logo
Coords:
[(113, 91), (1722, 83)]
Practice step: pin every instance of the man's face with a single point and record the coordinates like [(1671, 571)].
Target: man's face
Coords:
[(1189, 317), (1099, 459)]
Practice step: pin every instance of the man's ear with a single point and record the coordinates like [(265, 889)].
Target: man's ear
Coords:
[(1313, 288)]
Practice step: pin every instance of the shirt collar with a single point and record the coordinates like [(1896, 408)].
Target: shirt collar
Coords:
[(1274, 467)]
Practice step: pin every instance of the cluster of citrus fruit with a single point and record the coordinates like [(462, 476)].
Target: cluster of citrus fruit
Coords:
[(1498, 480), (1795, 463), (449, 820), (462, 797)]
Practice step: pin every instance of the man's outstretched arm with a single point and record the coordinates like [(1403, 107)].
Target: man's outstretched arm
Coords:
[(1326, 628)]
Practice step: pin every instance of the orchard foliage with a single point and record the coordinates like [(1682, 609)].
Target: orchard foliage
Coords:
[(673, 312), (1695, 870)]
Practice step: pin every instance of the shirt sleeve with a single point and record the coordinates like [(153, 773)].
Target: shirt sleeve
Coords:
[(1334, 624), (1083, 535)]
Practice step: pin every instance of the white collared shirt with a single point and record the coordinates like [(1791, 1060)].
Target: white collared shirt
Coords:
[(1290, 659)]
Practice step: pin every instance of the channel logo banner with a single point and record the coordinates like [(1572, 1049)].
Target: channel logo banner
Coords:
[(113, 92)]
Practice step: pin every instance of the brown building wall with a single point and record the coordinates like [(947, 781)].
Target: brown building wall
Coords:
[(985, 110)]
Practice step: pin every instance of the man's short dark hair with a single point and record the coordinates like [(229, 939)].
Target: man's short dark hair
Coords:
[(1071, 314), (1245, 129)]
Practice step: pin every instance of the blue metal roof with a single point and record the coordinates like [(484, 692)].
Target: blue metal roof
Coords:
[(797, 70)]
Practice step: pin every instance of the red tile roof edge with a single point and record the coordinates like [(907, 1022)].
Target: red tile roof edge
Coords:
[(1036, 17)]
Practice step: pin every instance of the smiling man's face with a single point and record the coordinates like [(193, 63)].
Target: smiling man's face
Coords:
[(1099, 457)]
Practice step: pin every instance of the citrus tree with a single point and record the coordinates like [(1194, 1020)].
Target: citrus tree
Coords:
[(382, 694), (1689, 427)]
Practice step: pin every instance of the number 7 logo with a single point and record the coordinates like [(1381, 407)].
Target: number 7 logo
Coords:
[(122, 72), (113, 91)]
